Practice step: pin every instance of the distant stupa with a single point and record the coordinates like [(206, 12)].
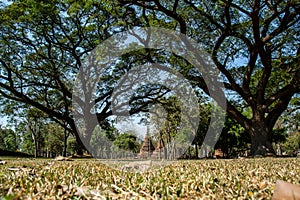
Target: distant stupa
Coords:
[(147, 148)]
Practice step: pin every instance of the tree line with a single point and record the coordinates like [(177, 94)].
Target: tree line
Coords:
[(48, 139)]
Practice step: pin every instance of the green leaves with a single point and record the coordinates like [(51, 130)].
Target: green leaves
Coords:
[(9, 140), (127, 141)]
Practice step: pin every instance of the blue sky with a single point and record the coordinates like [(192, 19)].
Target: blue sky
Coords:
[(3, 121)]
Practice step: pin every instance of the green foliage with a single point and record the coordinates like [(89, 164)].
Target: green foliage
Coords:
[(26, 145), (279, 135), (42, 137), (102, 139), (71, 145), (233, 139), (9, 140), (292, 143), (127, 141), (54, 138)]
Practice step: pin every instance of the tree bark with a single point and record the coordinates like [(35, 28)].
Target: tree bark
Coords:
[(261, 140), (197, 153), (34, 129), (66, 136), (36, 147), (80, 148)]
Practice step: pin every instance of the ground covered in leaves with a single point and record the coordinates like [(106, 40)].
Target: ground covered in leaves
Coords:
[(91, 179)]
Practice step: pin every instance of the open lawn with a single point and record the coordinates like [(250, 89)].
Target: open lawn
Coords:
[(200, 179)]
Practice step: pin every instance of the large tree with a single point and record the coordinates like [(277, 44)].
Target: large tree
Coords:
[(42, 44), (43, 47), (255, 46)]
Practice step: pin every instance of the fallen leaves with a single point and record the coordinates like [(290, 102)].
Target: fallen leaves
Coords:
[(61, 158), (2, 162), (91, 179)]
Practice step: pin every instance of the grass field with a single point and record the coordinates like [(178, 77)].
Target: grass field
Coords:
[(91, 179)]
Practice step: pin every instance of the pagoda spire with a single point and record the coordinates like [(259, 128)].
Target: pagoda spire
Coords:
[(147, 147)]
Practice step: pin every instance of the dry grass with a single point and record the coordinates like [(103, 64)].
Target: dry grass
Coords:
[(91, 179)]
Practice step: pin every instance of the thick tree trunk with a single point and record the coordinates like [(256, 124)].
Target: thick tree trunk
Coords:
[(80, 145), (80, 148), (261, 142), (261, 145)]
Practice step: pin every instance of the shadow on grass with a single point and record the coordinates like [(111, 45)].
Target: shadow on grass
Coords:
[(7, 153)]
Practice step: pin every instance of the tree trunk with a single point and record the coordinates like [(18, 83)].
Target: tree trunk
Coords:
[(65, 146), (36, 147), (34, 134), (82, 139), (261, 143), (66, 136), (79, 148), (197, 153)]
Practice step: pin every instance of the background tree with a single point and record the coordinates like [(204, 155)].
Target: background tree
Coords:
[(127, 141), (36, 125), (9, 140), (102, 139), (48, 139), (292, 144), (233, 140), (167, 119), (56, 139)]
